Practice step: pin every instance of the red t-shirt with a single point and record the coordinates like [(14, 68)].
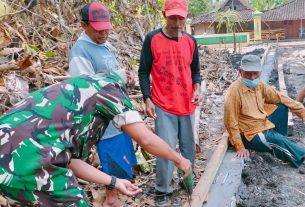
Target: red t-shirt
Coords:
[(171, 73)]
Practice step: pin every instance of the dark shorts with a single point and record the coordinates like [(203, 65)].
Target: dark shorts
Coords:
[(117, 156)]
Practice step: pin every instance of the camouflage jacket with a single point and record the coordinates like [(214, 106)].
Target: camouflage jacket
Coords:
[(40, 135)]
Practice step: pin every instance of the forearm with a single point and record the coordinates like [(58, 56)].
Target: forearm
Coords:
[(144, 82), (88, 173), (231, 115), (294, 106), (195, 66), (145, 67), (237, 143), (151, 142), (234, 137), (196, 86)]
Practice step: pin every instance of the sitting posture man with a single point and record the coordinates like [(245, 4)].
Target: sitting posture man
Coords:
[(43, 138), (253, 122)]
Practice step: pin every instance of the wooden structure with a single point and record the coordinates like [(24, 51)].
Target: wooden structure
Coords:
[(286, 21), (201, 24), (290, 17), (271, 34)]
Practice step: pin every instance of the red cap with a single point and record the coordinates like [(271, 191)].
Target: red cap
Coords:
[(97, 15), (176, 7)]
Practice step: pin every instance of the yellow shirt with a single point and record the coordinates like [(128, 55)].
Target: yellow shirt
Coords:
[(246, 110)]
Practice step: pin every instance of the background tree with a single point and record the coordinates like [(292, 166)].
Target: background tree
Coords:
[(201, 7), (232, 20), (197, 7), (263, 5)]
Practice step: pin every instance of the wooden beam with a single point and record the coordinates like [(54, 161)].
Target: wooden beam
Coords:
[(202, 188)]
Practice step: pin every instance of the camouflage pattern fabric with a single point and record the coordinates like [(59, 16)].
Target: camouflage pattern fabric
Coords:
[(40, 135)]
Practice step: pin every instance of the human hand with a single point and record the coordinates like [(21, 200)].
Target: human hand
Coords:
[(126, 187), (185, 165), (196, 97), (131, 82), (243, 153), (150, 108)]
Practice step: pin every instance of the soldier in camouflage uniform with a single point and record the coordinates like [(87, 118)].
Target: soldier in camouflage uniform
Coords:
[(43, 137)]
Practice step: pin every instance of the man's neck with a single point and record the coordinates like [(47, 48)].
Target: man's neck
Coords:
[(169, 34)]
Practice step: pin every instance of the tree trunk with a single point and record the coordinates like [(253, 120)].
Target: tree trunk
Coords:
[(234, 38)]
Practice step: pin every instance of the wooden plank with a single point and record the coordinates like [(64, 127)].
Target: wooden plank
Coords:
[(202, 188), (274, 34), (283, 90)]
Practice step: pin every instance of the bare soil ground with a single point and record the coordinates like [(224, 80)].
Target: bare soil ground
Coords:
[(267, 181)]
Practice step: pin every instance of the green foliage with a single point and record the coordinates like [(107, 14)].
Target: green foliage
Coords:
[(201, 7), (198, 7), (133, 62), (116, 17), (50, 54), (230, 19), (262, 5)]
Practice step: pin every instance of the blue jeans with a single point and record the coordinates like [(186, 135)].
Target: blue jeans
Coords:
[(275, 140)]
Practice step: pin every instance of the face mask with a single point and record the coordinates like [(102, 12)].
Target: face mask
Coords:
[(250, 83)]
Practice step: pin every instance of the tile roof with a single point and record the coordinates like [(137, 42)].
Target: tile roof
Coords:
[(246, 16), (294, 9), (242, 7)]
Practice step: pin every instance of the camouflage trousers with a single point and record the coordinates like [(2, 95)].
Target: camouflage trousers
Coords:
[(17, 197)]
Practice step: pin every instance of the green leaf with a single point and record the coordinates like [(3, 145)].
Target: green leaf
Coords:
[(50, 54), (133, 62)]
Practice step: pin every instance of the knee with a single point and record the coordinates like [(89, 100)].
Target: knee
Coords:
[(282, 107)]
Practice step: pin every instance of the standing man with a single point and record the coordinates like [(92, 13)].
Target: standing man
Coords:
[(170, 56), (45, 137), (253, 123), (92, 54)]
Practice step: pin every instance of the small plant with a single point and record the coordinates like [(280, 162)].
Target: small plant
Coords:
[(231, 19)]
